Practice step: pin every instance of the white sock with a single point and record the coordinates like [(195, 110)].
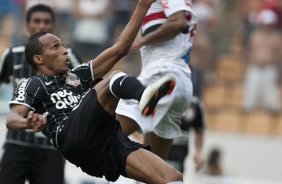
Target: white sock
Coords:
[(176, 182)]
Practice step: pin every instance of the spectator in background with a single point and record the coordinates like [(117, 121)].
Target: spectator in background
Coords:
[(261, 82), (64, 14), (91, 29)]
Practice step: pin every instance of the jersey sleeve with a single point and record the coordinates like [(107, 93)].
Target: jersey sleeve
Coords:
[(85, 73), (172, 6), (28, 93), (6, 66)]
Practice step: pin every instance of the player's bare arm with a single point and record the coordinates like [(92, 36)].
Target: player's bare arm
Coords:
[(103, 63), (174, 25), (21, 117)]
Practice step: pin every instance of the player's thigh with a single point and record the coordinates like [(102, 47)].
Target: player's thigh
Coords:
[(148, 167), (13, 165), (104, 95), (48, 168), (127, 124), (159, 146)]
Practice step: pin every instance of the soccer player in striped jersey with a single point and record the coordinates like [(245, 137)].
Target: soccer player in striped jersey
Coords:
[(29, 155), (167, 34), (80, 119)]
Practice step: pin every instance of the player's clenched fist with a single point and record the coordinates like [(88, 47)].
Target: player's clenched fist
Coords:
[(35, 121)]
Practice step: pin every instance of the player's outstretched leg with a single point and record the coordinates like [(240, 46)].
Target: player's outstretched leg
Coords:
[(144, 166), (154, 92), (128, 87)]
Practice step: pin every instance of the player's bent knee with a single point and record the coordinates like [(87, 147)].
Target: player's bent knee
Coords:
[(171, 175), (178, 176), (175, 176)]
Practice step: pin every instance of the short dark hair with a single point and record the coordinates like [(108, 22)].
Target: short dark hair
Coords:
[(34, 47), (39, 8)]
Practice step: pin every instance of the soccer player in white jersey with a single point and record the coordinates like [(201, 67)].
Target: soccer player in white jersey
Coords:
[(167, 33)]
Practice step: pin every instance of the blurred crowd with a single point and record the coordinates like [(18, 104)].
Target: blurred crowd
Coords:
[(89, 25), (261, 23)]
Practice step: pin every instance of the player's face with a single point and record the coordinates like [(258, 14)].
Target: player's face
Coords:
[(55, 56), (40, 21)]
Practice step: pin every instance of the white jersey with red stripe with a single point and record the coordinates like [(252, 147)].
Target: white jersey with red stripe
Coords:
[(168, 57), (176, 51)]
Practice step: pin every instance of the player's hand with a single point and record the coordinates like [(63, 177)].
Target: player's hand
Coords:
[(199, 161), (35, 121)]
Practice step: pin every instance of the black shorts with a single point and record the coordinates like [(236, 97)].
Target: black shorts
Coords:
[(37, 165), (92, 140)]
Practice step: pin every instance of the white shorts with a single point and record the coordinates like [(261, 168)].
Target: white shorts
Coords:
[(169, 111)]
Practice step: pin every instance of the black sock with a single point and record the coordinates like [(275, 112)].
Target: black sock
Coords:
[(126, 87)]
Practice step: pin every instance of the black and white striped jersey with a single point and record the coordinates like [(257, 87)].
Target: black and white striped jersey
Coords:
[(55, 96), (14, 68)]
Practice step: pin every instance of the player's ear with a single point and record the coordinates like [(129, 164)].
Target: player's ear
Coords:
[(38, 59)]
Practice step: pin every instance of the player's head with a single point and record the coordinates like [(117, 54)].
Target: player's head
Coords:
[(45, 52), (39, 18)]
